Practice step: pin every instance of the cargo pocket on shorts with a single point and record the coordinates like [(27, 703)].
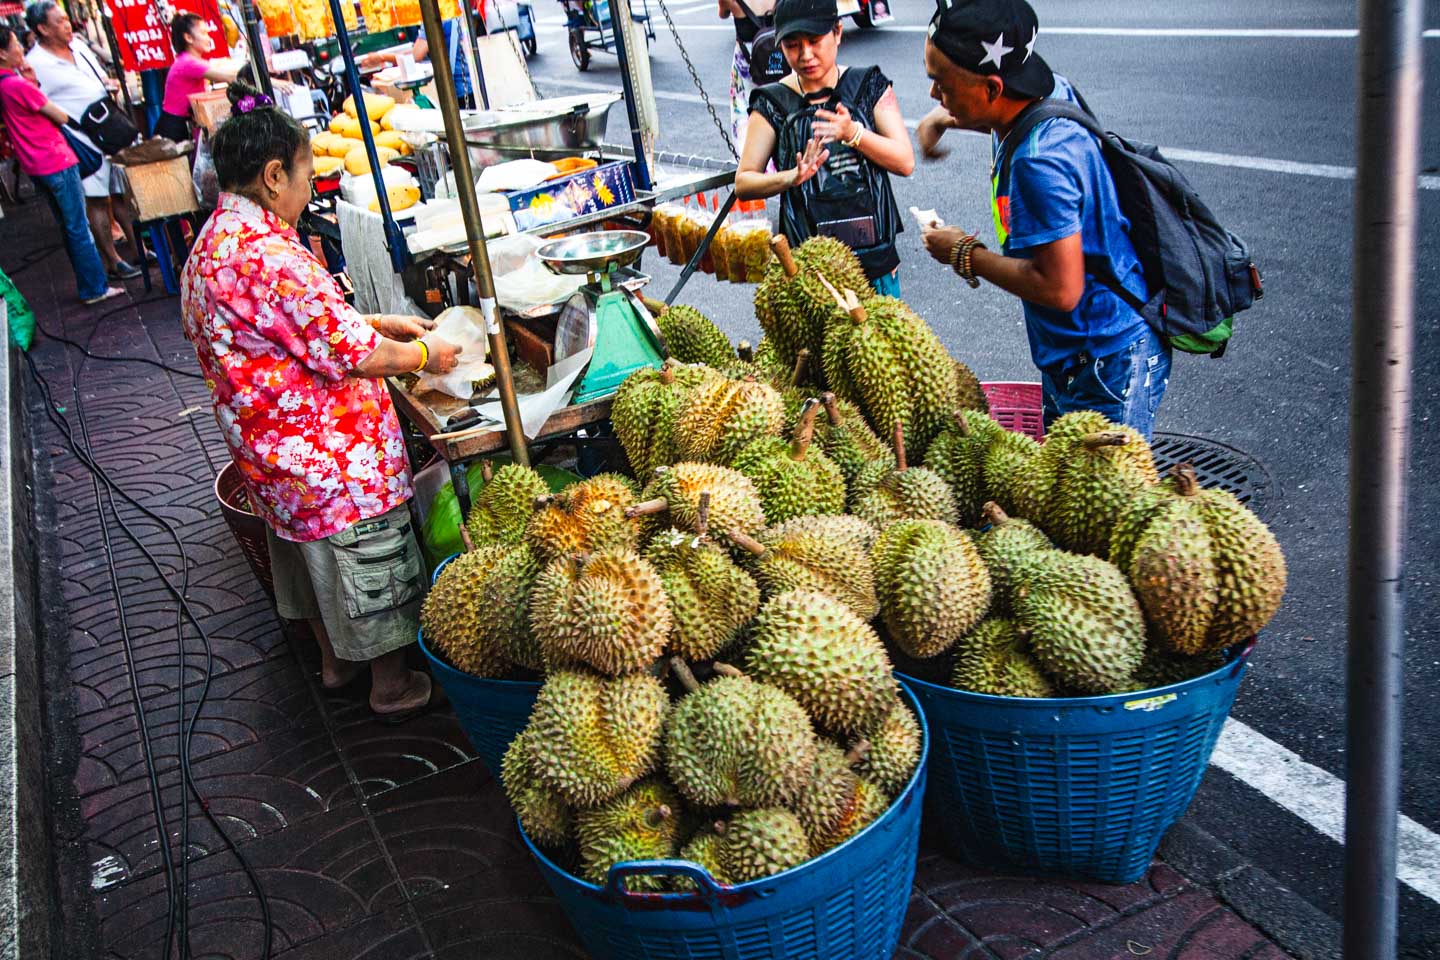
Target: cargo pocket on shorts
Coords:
[(379, 570)]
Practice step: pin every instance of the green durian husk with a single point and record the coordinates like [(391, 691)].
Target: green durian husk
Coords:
[(931, 583), (994, 658), (692, 337)]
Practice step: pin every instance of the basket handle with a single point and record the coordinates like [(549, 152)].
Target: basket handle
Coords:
[(1243, 656), (615, 886)]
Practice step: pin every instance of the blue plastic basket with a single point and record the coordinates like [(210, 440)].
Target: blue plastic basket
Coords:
[(1081, 787), (492, 712), (850, 902)]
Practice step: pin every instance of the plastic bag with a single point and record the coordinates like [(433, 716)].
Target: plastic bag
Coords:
[(750, 251), (522, 281), (464, 326), (20, 318), (440, 530), (207, 184)]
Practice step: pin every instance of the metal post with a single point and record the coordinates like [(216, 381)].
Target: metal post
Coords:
[(474, 229), (251, 15), (1382, 331), (620, 8)]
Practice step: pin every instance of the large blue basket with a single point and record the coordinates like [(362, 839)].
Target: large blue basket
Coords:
[(492, 712), (849, 902), (1080, 787)]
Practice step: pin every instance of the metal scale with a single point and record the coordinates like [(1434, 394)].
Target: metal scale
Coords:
[(606, 313)]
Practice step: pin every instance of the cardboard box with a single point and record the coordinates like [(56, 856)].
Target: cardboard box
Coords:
[(587, 191), (210, 108), (161, 189)]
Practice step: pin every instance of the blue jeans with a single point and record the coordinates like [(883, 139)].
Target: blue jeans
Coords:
[(888, 285), (67, 199), (1125, 386)]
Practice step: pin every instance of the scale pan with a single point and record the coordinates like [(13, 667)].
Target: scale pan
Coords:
[(593, 252)]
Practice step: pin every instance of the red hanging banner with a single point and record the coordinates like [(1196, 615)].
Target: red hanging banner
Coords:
[(144, 38)]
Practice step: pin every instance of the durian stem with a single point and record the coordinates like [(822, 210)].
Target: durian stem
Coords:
[(961, 424), (667, 376), (487, 470), (744, 541), (900, 465), (726, 670), (657, 307), (1187, 484), (647, 508), (832, 409), (781, 245), (625, 783), (702, 514), (804, 429), (802, 361), (745, 352), (993, 513), (684, 674), (720, 826), (543, 501), (657, 815), (1105, 438), (857, 752), (465, 537)]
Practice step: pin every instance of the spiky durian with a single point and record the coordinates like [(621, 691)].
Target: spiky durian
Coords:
[(792, 477), (893, 747), (606, 610), (585, 517), (969, 393), (645, 409), (905, 493), (459, 617), (827, 554), (542, 813), (931, 583), (711, 598), (994, 658), (761, 843), (958, 455), (643, 823), (837, 803), (848, 440), (1006, 547), (719, 417), (692, 337), (503, 507), (734, 504)]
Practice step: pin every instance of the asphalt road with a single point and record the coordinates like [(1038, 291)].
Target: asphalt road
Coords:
[(1280, 394)]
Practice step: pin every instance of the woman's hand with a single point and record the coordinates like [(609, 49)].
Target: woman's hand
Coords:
[(837, 124), (939, 241), (400, 327), (929, 131), (444, 355), (808, 164)]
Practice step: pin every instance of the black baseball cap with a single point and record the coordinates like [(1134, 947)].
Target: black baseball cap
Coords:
[(993, 38), (811, 17)]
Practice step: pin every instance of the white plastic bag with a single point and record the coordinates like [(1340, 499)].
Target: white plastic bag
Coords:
[(522, 281), (464, 326), (514, 175)]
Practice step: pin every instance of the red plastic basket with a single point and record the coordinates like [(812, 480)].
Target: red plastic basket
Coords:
[(1017, 406)]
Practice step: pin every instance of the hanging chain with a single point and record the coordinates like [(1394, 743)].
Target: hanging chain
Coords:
[(695, 78)]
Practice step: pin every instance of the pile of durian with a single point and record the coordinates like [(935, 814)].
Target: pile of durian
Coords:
[(717, 639)]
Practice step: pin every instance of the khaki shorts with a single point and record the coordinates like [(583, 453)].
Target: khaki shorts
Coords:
[(365, 583)]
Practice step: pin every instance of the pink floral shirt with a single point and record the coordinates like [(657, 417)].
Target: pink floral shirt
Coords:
[(320, 450)]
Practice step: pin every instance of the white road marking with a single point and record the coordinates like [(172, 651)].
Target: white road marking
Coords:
[(1318, 798), (603, 88)]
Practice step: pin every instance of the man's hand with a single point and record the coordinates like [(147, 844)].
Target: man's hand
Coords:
[(939, 241), (808, 164), (834, 124), (400, 327), (444, 355), (929, 131)]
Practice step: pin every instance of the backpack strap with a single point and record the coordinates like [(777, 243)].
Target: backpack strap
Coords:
[(753, 17)]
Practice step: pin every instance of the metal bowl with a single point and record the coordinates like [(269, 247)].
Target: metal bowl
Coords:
[(593, 252), (560, 123)]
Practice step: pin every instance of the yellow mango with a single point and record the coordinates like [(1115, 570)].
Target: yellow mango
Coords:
[(357, 163), (393, 140), (341, 146), (348, 126), (328, 166), (376, 105), (400, 198)]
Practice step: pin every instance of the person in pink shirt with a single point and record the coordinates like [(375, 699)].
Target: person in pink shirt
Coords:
[(34, 124), (189, 74)]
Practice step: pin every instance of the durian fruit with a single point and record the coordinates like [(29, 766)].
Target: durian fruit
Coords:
[(737, 742), (1086, 629), (692, 337), (958, 455), (607, 610), (703, 849), (994, 658), (1208, 573), (1161, 668), (474, 617), (585, 517), (1006, 459), (794, 303), (591, 737), (1006, 547), (969, 394), (767, 360), (744, 363), (890, 363), (645, 409), (792, 477), (814, 648), (761, 843), (932, 585), (734, 503), (825, 554), (848, 440), (542, 813), (711, 598), (503, 507), (905, 493), (837, 803), (894, 744), (643, 823), (719, 417)]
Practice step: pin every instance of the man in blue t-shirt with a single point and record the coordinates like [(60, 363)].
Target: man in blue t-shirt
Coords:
[(1059, 207)]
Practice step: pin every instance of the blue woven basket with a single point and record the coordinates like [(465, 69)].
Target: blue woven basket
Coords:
[(849, 902), (1081, 787), (492, 712)]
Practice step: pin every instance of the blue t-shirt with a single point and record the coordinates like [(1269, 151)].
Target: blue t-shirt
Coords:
[(1059, 186), (455, 50)]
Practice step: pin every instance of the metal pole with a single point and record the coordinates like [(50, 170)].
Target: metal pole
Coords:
[(474, 230), (1382, 331), (619, 8), (251, 15)]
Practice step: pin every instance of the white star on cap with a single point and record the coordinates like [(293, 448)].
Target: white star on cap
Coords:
[(995, 52), (1030, 47)]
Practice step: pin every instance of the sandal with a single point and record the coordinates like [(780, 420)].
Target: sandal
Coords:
[(435, 699)]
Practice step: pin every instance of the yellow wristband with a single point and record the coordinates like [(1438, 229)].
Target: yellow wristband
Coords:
[(424, 356)]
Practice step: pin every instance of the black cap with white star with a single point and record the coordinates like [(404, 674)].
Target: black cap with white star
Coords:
[(993, 38)]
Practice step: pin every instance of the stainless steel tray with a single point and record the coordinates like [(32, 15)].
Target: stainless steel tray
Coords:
[(561, 123)]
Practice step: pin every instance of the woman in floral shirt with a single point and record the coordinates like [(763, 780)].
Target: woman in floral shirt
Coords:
[(297, 379)]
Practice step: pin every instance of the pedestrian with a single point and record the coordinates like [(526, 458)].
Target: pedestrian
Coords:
[(750, 18), (297, 382), (34, 124), (455, 52), (835, 135), (189, 74), (1058, 209), (73, 79)]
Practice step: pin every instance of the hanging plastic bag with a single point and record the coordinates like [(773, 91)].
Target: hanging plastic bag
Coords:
[(440, 530), (20, 319), (522, 281), (207, 184), (464, 326)]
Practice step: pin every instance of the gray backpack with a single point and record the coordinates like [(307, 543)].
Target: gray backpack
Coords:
[(1199, 274)]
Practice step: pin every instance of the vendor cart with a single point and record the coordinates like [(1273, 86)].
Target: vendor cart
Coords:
[(590, 27)]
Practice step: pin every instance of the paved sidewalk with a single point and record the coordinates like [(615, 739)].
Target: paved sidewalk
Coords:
[(371, 842)]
